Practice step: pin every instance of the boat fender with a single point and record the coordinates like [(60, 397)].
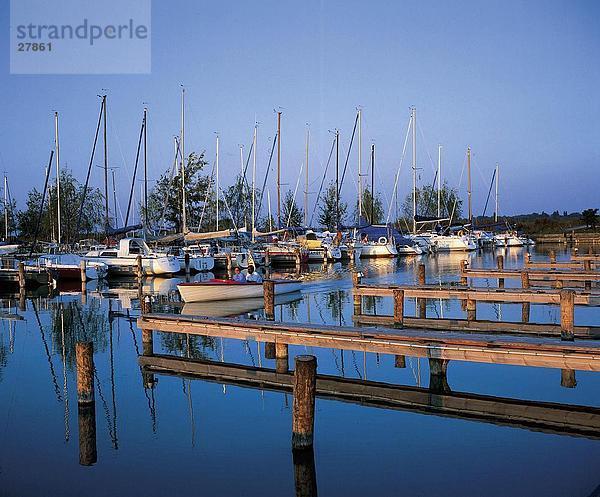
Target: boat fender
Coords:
[(382, 240)]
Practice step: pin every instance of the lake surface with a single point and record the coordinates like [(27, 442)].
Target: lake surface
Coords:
[(162, 434)]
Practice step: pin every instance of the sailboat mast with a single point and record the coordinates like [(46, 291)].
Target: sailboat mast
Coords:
[(414, 165), (439, 185), (469, 183), (5, 208), (145, 170), (306, 180), (182, 144), (114, 194), (337, 179), (360, 185), (372, 183), (279, 169), (254, 180), (497, 176), (106, 218), (217, 184), (57, 154)]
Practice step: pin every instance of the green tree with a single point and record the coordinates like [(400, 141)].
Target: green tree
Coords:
[(165, 200), (590, 217), (328, 210), (71, 194), (372, 207), (292, 214), (11, 209), (238, 200), (450, 204)]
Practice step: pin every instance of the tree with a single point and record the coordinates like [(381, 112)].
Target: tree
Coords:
[(450, 204), (328, 210), (165, 199), (11, 208), (372, 207), (292, 214), (590, 217), (71, 194), (238, 204)]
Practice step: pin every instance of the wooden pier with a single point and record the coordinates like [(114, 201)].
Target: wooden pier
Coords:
[(522, 351), (532, 415)]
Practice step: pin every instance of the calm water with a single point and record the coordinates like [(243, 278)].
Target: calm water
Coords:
[(188, 436)]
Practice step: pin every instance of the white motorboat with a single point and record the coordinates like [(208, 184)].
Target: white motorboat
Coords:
[(508, 240), (215, 290), (199, 258), (8, 249), (123, 260), (235, 307), (406, 249)]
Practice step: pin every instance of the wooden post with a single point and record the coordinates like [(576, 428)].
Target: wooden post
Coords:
[(269, 350), (552, 257), (567, 378), (147, 342), (421, 274), (303, 409), (86, 418), (22, 281), (269, 299), (527, 258), (525, 312), (422, 303), (471, 310), (281, 357), (356, 279), (399, 361), (298, 260), (84, 357), (587, 266), (438, 380), (524, 279), (305, 478), (398, 308), (500, 262), (186, 259), (139, 268), (567, 314), (22, 301), (463, 277), (267, 258), (82, 265)]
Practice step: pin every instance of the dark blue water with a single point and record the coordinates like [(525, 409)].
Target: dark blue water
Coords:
[(189, 436)]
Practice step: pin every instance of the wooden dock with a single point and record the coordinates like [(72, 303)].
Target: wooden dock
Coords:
[(534, 274), (522, 351), (532, 415)]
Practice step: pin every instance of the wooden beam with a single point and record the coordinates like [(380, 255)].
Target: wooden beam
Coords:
[(532, 415), (533, 274), (524, 351)]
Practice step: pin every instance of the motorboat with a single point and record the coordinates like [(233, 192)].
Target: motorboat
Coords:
[(199, 258), (123, 259), (510, 239), (235, 307), (319, 248), (459, 242), (217, 289), (68, 267)]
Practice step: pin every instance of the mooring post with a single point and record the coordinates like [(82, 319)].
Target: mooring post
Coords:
[(269, 350), (305, 478), (421, 303), (83, 275), (527, 258), (22, 281), (356, 279), (463, 276), (139, 269), (471, 310), (438, 379), (399, 361), (526, 306), (500, 263), (269, 299), (147, 342), (298, 260), (186, 259), (229, 265), (267, 258), (303, 409), (567, 378), (398, 308), (84, 359), (587, 266), (567, 314), (552, 257), (281, 357), (524, 279), (22, 300)]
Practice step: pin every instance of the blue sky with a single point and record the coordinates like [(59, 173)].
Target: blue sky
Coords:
[(517, 81)]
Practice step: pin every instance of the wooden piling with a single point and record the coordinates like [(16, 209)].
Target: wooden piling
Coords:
[(147, 342), (298, 259), (463, 266), (86, 418), (186, 259), (22, 299), (22, 281), (139, 269), (525, 312), (421, 274), (587, 266), (399, 361), (525, 279), (527, 258), (500, 263), (552, 257), (84, 357), (567, 314), (398, 308), (281, 357), (356, 280), (269, 299), (269, 350), (471, 310), (567, 378), (438, 379), (267, 258), (82, 266), (303, 409), (421, 303)]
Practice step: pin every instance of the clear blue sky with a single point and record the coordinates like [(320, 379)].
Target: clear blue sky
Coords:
[(517, 81)]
